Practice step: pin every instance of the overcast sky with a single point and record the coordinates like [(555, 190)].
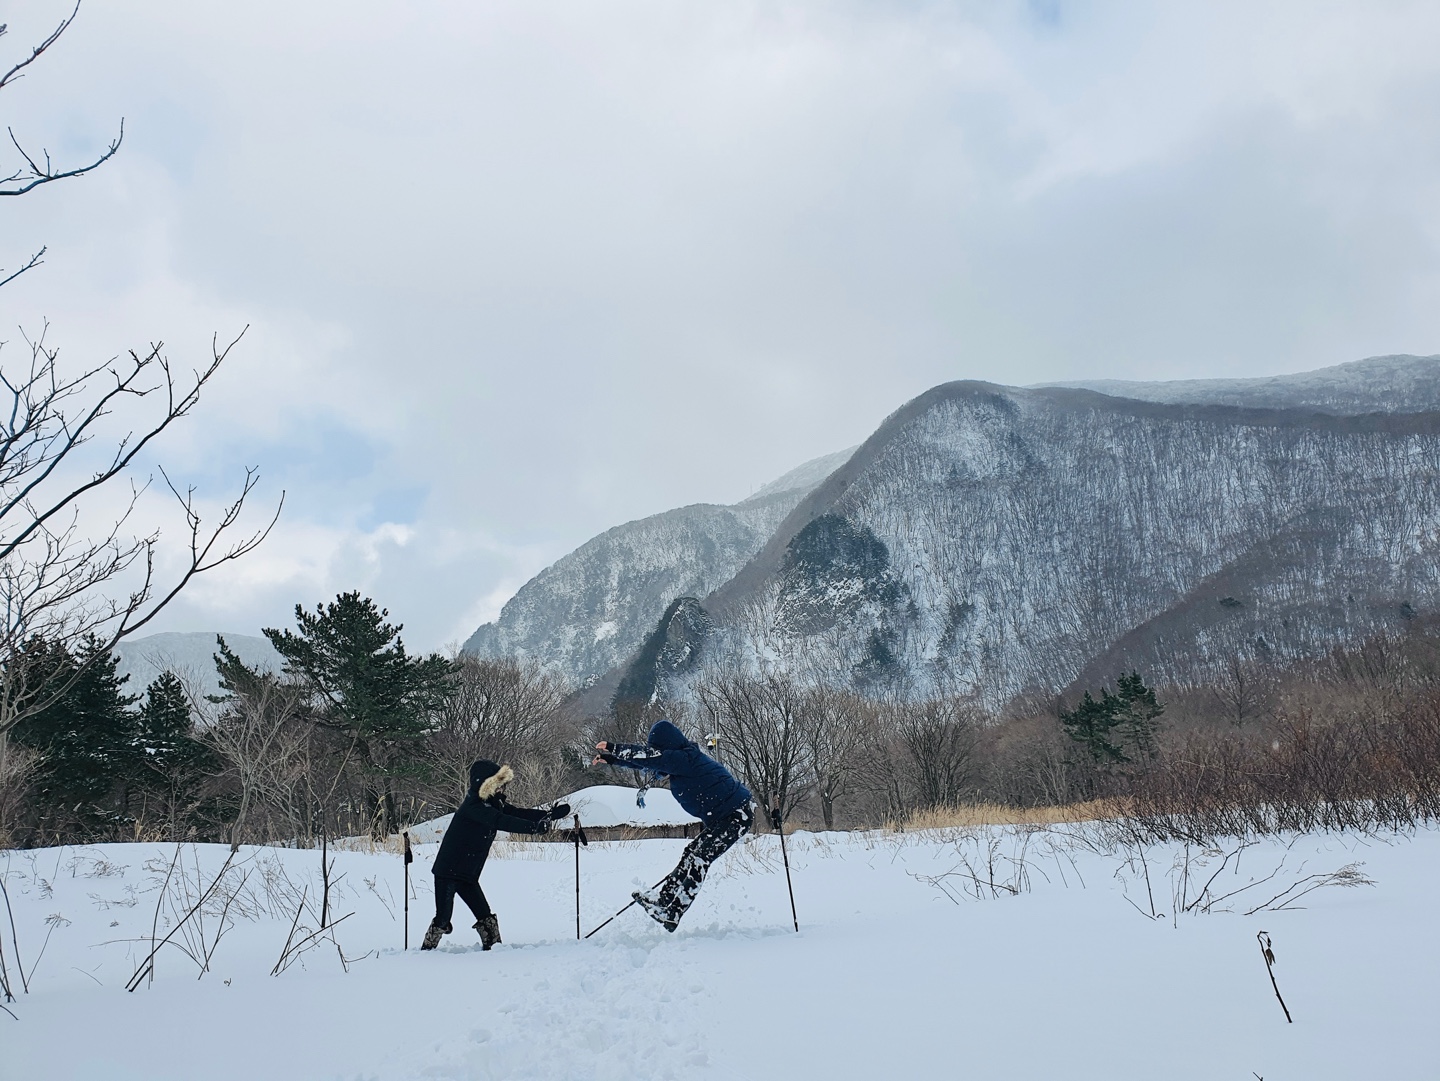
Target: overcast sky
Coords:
[(516, 272)]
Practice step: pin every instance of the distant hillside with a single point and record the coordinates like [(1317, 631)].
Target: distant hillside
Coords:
[(1393, 384), (590, 610), (1010, 539), (190, 656), (1007, 540)]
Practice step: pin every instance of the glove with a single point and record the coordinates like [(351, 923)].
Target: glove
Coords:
[(560, 810)]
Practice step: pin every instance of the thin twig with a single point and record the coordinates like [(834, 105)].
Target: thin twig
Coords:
[(1266, 952), (149, 962)]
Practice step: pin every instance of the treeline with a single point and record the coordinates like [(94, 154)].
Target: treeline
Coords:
[(357, 737), (1348, 740), (353, 737)]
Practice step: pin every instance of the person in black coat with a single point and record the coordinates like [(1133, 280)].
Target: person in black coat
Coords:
[(701, 786), (466, 845)]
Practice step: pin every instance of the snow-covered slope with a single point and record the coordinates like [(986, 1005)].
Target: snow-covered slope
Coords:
[(190, 655), (1393, 384), (904, 966), (586, 613), (1008, 539)]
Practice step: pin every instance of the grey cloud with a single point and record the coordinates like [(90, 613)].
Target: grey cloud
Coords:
[(556, 267)]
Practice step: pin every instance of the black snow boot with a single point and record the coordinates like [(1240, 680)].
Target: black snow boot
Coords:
[(433, 934), (489, 928), (657, 910)]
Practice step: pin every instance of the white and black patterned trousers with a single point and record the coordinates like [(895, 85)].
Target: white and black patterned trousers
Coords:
[(677, 892)]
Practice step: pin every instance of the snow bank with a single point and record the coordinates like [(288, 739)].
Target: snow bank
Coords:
[(614, 805)]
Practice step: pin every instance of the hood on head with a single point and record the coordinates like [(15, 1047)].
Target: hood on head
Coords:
[(487, 778), (664, 736)]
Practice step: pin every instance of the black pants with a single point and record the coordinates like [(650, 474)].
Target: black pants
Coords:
[(470, 893), (677, 892)]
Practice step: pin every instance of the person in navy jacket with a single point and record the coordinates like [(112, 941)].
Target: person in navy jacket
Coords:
[(703, 787), (466, 846)]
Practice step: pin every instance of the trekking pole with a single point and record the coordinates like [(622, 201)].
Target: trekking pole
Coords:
[(409, 859), (778, 822), (580, 839), (630, 905)]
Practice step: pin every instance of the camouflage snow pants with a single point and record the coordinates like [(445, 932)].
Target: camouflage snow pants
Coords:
[(677, 893)]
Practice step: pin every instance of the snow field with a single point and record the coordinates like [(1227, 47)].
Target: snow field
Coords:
[(896, 971)]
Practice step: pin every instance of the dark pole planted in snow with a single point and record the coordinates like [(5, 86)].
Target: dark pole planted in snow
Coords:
[(580, 839), (409, 859), (779, 823)]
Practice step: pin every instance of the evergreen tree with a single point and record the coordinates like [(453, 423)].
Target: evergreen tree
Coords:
[(172, 761), (1137, 715), (1119, 727), (368, 688), (87, 741), (1091, 725)]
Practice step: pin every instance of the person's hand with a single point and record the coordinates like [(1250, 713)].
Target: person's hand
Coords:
[(560, 810)]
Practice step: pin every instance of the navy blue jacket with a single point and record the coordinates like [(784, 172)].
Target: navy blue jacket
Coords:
[(467, 840), (700, 784)]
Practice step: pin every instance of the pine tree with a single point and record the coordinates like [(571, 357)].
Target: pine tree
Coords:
[(172, 761), (368, 688), (1091, 724), (1120, 727), (1137, 715), (87, 743)]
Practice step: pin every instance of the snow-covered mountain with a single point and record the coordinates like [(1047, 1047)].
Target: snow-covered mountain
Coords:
[(1009, 539), (1393, 384), (1013, 539), (191, 656), (586, 613)]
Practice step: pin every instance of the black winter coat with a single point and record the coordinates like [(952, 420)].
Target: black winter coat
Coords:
[(699, 784), (471, 832)]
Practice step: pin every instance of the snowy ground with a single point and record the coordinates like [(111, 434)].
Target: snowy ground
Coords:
[(892, 975)]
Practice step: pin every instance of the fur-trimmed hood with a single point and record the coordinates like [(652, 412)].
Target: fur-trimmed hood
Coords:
[(488, 778)]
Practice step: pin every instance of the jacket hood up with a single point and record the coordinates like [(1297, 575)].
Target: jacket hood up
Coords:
[(664, 736), (487, 778)]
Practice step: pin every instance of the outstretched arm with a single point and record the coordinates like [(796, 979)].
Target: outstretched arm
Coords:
[(513, 823), (505, 819), (639, 756)]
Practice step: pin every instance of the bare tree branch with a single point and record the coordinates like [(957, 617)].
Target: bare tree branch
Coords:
[(33, 174)]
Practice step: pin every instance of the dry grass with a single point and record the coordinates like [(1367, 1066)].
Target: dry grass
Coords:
[(969, 815)]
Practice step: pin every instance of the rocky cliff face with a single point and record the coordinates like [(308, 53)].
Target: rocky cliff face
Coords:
[(1004, 539), (588, 612)]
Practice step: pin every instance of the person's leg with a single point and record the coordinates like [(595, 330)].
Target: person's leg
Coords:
[(444, 906), (485, 920), (445, 889), (677, 893)]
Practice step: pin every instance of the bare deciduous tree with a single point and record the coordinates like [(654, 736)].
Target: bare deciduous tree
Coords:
[(507, 709), (68, 441), (262, 735), (758, 723), (834, 727), (59, 581), (28, 173), (1242, 688), (939, 736)]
